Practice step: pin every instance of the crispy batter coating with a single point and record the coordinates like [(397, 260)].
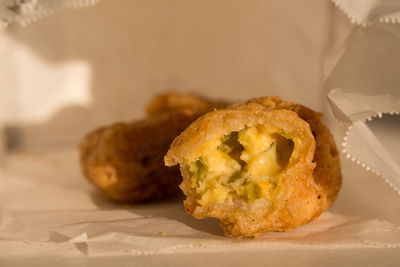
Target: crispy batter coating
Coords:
[(125, 160), (301, 194)]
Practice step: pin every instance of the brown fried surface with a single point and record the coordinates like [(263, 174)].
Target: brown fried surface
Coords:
[(125, 160), (303, 194)]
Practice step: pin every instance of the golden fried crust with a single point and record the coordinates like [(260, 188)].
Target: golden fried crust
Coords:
[(172, 101), (299, 199), (327, 172), (125, 160)]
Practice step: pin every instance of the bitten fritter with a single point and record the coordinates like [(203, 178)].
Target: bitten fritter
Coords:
[(125, 160), (251, 167)]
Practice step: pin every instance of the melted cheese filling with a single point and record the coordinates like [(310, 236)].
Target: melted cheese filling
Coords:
[(243, 165)]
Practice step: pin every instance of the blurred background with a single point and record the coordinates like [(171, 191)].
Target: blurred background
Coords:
[(75, 70)]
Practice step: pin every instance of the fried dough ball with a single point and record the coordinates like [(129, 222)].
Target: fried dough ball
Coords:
[(125, 160), (252, 168)]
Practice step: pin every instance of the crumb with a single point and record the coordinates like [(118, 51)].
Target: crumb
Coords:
[(163, 233)]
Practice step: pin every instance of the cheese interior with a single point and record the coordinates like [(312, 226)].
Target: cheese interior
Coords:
[(241, 165)]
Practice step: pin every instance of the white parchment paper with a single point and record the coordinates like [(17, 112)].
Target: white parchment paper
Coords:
[(49, 209), (363, 86)]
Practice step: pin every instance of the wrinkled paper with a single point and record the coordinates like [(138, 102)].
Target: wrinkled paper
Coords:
[(50, 209)]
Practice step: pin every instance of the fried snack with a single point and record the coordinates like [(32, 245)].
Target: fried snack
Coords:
[(125, 160), (172, 101), (251, 166)]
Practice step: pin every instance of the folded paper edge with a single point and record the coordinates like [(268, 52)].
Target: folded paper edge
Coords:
[(26, 19), (365, 22), (343, 118)]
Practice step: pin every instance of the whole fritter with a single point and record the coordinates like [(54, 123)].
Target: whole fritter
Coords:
[(125, 160)]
